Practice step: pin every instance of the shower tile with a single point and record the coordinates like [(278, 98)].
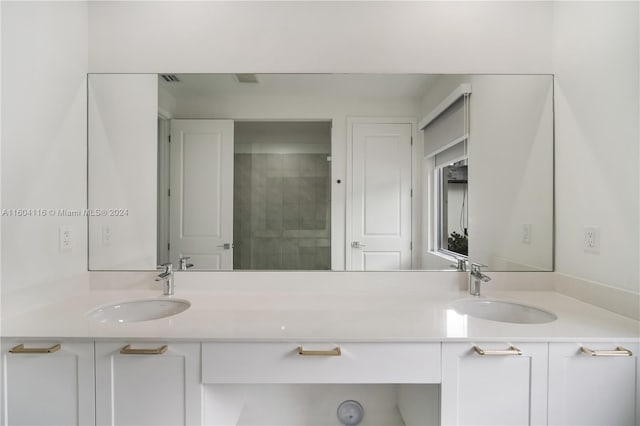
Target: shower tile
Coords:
[(307, 216), (290, 163), (323, 243), (281, 207), (290, 256), (274, 189), (322, 167), (321, 190), (323, 258), (305, 244), (306, 191), (291, 190), (291, 216), (307, 165), (320, 214), (273, 162), (274, 220)]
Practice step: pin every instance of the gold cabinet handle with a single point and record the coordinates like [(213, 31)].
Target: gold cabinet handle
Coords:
[(498, 352), (306, 352), (20, 349), (128, 351), (618, 351)]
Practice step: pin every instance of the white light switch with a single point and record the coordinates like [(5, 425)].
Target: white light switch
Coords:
[(526, 233), (106, 235)]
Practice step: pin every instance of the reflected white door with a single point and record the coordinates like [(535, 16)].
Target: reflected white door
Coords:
[(201, 201), (380, 197)]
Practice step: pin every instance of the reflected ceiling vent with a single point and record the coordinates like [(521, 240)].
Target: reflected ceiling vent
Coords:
[(246, 78), (171, 78)]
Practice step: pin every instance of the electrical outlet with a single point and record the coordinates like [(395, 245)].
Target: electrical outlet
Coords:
[(591, 239), (65, 240), (526, 233), (106, 235)]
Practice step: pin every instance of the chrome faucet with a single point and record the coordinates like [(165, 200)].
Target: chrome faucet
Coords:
[(461, 264), (184, 264), (476, 277), (167, 277)]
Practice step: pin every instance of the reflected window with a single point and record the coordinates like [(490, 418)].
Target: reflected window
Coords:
[(446, 135), (452, 226)]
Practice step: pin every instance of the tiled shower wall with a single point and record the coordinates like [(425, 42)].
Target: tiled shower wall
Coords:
[(282, 211)]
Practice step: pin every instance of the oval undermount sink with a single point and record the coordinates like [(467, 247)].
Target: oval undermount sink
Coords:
[(138, 310), (499, 310)]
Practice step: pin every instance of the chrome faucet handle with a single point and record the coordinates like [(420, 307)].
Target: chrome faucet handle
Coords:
[(166, 277), (184, 265), (168, 267), (168, 271), (476, 268)]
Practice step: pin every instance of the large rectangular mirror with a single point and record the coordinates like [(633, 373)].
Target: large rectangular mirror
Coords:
[(320, 171)]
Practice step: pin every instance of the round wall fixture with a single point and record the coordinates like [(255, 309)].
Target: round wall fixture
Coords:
[(350, 413)]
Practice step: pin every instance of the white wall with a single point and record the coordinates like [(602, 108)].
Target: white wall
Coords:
[(380, 37), (595, 58), (44, 62), (594, 43), (123, 171)]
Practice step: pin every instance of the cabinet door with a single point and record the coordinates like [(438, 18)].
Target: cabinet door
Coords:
[(497, 388), (597, 389), (159, 387), (47, 388)]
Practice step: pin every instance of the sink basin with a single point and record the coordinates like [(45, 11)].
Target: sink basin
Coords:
[(138, 310), (499, 310)]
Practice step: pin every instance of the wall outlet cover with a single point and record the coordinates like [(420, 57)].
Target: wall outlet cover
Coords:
[(591, 239)]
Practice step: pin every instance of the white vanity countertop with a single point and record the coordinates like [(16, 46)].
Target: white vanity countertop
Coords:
[(355, 313)]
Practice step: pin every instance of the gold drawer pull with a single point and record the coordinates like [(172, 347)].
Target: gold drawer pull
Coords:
[(499, 352), (128, 351), (20, 349), (333, 352), (619, 351)]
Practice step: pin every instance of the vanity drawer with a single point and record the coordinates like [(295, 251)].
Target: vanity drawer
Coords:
[(356, 363)]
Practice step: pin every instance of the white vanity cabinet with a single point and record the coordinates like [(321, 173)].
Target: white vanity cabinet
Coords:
[(494, 383), (150, 383), (594, 386), (321, 363), (191, 383), (47, 383)]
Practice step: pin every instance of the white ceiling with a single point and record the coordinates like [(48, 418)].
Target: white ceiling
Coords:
[(344, 85)]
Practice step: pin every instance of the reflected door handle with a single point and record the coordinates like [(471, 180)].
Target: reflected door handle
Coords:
[(357, 244), (225, 246)]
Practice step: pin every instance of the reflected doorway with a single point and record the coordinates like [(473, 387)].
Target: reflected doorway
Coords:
[(282, 195)]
